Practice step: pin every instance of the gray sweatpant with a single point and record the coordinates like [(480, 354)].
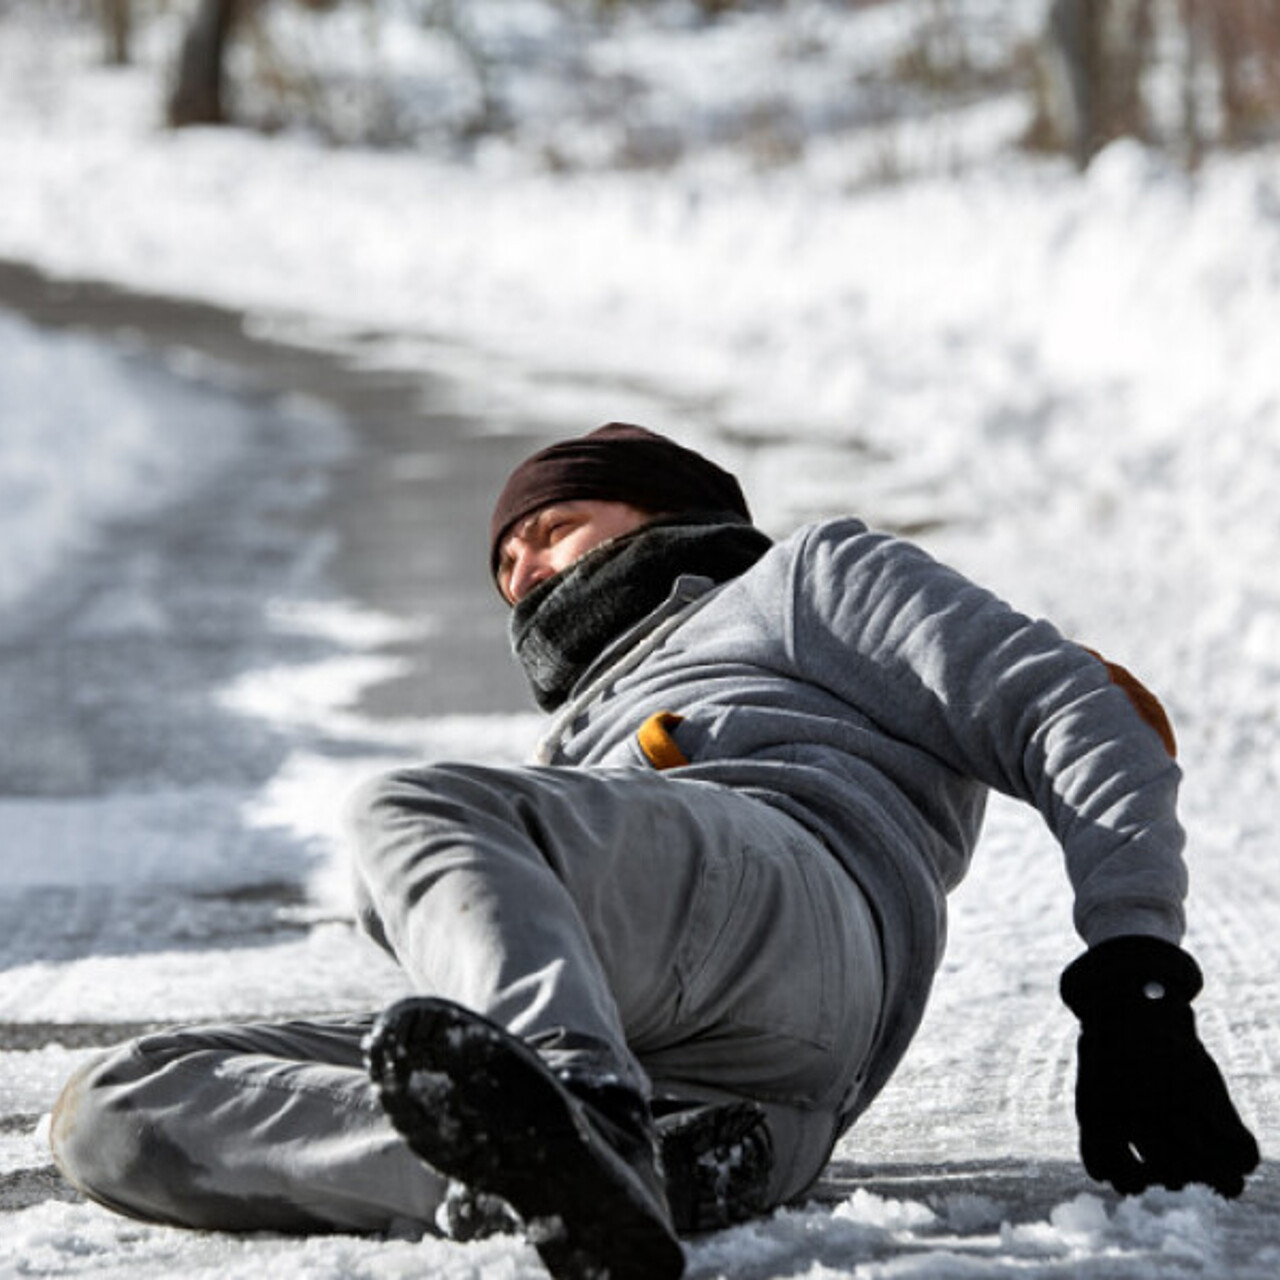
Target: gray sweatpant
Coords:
[(692, 938)]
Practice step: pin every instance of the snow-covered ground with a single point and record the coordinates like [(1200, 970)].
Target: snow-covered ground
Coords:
[(1068, 386)]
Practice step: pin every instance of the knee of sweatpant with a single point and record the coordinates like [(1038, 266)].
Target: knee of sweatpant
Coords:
[(435, 794), (97, 1143), (110, 1140), (437, 808), (380, 813), (371, 803)]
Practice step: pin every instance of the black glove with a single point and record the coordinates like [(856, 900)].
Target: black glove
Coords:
[(1152, 1105)]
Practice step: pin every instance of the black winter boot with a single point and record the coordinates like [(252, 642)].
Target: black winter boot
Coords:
[(575, 1159), (717, 1158)]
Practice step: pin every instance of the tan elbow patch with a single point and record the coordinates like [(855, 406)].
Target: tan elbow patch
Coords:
[(1145, 702), (659, 747)]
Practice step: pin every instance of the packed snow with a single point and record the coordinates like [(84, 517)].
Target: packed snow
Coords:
[(1065, 385)]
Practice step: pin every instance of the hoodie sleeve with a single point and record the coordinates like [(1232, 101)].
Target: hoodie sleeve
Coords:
[(937, 661)]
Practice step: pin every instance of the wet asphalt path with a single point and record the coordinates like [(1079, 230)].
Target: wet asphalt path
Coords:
[(406, 512), (97, 702)]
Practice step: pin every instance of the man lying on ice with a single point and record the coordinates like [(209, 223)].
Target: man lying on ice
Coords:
[(723, 882)]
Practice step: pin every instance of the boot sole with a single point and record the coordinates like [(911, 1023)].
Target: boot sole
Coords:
[(480, 1106)]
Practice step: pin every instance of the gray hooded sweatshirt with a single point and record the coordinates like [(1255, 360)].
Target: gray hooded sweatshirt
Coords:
[(875, 695)]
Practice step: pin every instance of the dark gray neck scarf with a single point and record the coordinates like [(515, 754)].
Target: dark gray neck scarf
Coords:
[(565, 623)]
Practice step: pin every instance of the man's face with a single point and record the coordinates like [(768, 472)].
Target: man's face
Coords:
[(553, 537)]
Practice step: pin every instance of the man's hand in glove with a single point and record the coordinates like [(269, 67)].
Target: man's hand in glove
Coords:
[(1152, 1105)]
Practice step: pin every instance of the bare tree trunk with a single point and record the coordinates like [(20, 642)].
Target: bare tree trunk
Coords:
[(1128, 53), (1091, 67), (1230, 50), (197, 95), (1075, 36), (117, 22), (1192, 131), (1103, 47)]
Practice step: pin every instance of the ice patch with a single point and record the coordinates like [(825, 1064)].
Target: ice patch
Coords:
[(64, 473)]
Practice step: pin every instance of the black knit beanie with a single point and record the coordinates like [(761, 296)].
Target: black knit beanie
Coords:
[(616, 463)]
